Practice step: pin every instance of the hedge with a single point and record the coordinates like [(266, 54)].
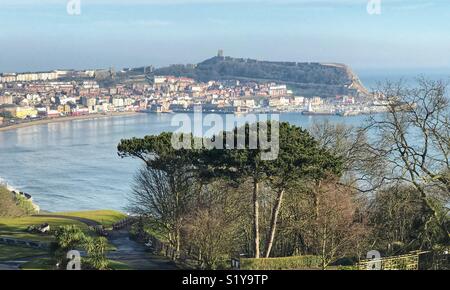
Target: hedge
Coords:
[(284, 263)]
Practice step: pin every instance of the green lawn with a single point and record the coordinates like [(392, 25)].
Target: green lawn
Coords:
[(115, 265), (17, 227), (39, 264), (106, 217), (48, 264), (9, 253)]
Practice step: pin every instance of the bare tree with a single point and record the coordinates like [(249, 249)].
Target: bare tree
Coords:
[(164, 198), (215, 226), (362, 168), (413, 139), (396, 215), (331, 227)]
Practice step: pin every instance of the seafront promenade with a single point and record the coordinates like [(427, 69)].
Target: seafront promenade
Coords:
[(30, 123)]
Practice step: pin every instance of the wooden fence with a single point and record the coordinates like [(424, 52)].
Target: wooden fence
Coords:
[(124, 223), (99, 230), (404, 262), (189, 257)]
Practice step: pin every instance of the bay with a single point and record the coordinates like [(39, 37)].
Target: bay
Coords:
[(74, 165)]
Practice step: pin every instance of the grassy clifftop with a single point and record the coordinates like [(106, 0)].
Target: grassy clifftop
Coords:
[(308, 79), (9, 205), (104, 217)]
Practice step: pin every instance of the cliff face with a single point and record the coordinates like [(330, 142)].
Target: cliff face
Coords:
[(308, 79)]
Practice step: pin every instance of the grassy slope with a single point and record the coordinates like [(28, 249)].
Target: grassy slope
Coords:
[(8, 253), (39, 264), (105, 217), (8, 206), (47, 264), (16, 228)]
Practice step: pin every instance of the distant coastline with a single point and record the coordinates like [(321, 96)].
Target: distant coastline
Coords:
[(65, 119)]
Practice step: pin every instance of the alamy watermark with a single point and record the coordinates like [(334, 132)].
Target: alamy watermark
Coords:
[(73, 7), (374, 258), (74, 262), (254, 132), (374, 7)]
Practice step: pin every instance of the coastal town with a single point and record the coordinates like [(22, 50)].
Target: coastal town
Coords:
[(224, 143), (26, 97)]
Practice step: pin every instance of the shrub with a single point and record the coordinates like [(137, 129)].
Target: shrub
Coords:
[(346, 261), (26, 205), (72, 237), (69, 237), (348, 268), (283, 263), (96, 250)]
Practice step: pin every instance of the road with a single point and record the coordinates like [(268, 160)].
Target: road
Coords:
[(88, 222), (135, 254)]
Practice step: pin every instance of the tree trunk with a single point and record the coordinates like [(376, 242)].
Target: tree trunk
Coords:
[(316, 200), (273, 222), (256, 216), (178, 247), (324, 247)]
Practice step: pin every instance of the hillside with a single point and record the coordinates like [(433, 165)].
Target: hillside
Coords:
[(308, 79), (8, 205)]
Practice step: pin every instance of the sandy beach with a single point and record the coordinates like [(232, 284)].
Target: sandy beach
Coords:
[(65, 119)]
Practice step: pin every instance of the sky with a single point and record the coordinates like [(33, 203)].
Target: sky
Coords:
[(42, 35)]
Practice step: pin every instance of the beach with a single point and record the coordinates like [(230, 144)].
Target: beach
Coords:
[(64, 119)]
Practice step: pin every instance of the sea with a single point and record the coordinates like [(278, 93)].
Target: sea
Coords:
[(74, 165)]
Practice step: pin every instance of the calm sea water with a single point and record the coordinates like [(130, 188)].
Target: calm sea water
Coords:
[(74, 165)]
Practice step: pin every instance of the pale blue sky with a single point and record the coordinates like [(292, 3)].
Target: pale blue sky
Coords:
[(40, 35)]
